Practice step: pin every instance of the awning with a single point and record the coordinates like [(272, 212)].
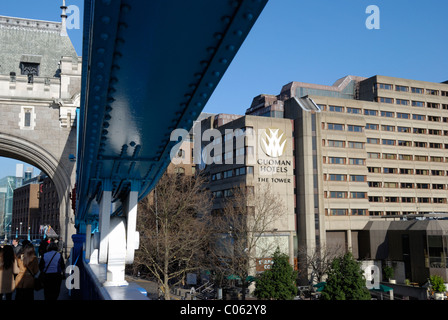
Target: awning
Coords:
[(382, 288), (320, 286)]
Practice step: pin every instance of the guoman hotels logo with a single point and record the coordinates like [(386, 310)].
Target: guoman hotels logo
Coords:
[(273, 142)]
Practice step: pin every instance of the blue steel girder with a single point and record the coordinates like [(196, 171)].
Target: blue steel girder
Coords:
[(149, 67)]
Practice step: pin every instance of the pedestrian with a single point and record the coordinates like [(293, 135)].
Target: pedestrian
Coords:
[(43, 246), (29, 267), (8, 270), (17, 246), (52, 265)]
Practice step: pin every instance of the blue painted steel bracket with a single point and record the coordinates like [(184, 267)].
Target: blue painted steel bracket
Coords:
[(149, 67)]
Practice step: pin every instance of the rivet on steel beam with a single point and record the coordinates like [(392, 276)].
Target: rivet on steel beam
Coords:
[(101, 50), (238, 33), (230, 47), (248, 16), (100, 65), (104, 36), (105, 124), (218, 36), (225, 19), (105, 19), (223, 60)]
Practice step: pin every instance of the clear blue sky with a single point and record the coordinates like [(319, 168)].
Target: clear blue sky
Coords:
[(315, 41)]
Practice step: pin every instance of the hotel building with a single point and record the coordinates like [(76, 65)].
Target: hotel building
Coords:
[(361, 149)]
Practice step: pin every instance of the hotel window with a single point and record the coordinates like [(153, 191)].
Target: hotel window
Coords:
[(403, 115), (336, 160), (408, 199), (435, 132), (422, 185), (375, 199), (433, 118), (419, 144), (406, 171), (445, 119), (390, 170), (385, 86), (420, 158), (338, 177), (353, 110), (419, 130), (336, 143), (435, 145), (371, 126), (433, 105), (418, 104), (338, 212), (353, 128), (444, 106), (406, 185), (391, 199), (390, 184), (387, 114), (387, 128), (389, 156), (375, 213), (335, 126), (357, 161), (374, 184), (444, 93), (355, 145), (418, 117), (336, 109), (437, 172), (402, 88), (240, 171), (373, 141), (359, 212), (432, 92), (438, 186), (373, 155), (388, 142), (358, 195), (368, 112), (374, 169), (404, 129), (404, 143), (338, 194), (416, 90), (402, 102), (439, 200), (436, 159), (357, 178), (405, 157), (424, 200), (386, 100)]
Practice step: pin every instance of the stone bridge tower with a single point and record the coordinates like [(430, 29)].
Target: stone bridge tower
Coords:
[(40, 85)]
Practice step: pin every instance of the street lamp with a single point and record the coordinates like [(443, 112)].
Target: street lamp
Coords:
[(20, 230)]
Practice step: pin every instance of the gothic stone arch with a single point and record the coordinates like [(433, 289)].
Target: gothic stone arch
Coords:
[(61, 172)]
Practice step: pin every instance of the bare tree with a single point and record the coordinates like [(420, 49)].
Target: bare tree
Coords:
[(314, 264), (174, 230), (247, 217)]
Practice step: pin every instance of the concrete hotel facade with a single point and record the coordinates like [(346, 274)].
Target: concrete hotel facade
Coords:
[(248, 164), (381, 150), (362, 149)]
